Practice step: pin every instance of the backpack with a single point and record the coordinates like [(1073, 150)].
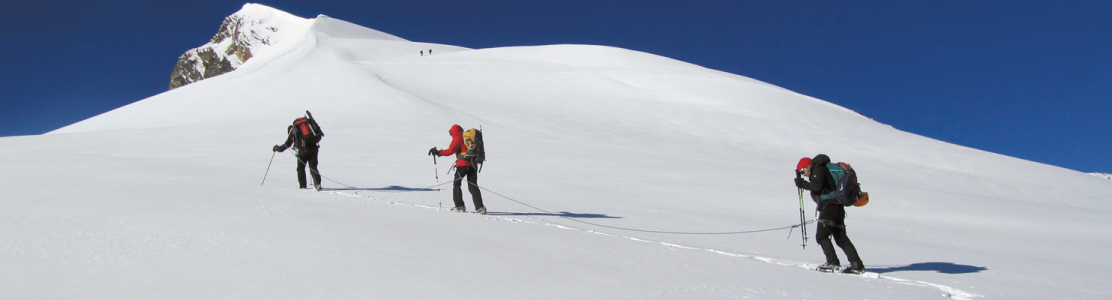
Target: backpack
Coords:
[(474, 151), (847, 191), (306, 132)]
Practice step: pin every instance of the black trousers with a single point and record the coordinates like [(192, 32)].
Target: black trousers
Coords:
[(310, 158), (472, 186), (831, 224)]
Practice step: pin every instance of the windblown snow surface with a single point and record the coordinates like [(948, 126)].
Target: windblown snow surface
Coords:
[(612, 174)]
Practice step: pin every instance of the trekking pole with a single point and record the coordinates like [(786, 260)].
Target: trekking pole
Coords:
[(268, 167), (436, 171), (802, 219), (802, 214)]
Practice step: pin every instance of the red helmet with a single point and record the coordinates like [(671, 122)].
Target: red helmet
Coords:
[(803, 163)]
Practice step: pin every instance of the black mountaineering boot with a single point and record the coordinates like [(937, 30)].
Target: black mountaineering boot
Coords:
[(855, 268)]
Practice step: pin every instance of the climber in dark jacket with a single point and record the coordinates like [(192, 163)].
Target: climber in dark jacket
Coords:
[(304, 137), (832, 216)]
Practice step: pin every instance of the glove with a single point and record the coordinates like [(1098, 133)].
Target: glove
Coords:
[(433, 151), (278, 148), (800, 183)]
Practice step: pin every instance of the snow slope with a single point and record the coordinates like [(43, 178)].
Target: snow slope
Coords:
[(612, 174)]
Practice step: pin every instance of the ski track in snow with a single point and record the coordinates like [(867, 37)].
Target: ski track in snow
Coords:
[(948, 291)]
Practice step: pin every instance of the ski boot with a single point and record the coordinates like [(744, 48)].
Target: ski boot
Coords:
[(481, 210), (459, 209)]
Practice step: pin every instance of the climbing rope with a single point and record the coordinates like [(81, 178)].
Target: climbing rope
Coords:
[(642, 230), (789, 227)]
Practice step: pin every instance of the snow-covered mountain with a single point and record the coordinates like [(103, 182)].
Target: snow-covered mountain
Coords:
[(612, 174)]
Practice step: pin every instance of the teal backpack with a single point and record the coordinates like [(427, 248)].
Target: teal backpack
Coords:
[(846, 188)]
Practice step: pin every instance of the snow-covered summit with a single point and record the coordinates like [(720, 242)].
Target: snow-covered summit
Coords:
[(255, 32)]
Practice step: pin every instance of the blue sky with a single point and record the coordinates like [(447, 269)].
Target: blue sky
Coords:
[(1029, 79)]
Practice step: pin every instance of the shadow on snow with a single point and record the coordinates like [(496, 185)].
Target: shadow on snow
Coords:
[(402, 189), (940, 267), (392, 188), (561, 214)]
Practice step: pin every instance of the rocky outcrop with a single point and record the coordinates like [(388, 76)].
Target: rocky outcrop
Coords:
[(196, 65), (232, 45)]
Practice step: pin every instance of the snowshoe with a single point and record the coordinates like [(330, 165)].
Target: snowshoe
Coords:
[(829, 268)]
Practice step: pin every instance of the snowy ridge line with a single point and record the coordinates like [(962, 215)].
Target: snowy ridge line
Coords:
[(506, 65), (242, 72), (948, 291), (437, 104)]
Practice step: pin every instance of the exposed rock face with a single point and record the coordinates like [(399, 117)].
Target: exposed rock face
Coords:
[(198, 64), (229, 48), (233, 28)]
